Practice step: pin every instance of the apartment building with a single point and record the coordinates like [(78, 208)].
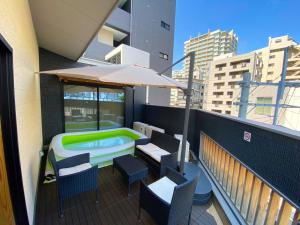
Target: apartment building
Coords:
[(209, 45), (140, 25), (223, 81), (293, 69), (268, 68), (177, 97), (206, 47), (272, 57)]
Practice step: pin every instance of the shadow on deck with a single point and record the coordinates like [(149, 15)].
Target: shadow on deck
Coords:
[(115, 208)]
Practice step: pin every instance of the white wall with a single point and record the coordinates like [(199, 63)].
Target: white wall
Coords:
[(17, 28), (135, 56), (106, 37), (130, 55)]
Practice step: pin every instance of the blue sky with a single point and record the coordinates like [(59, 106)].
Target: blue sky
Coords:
[(252, 20)]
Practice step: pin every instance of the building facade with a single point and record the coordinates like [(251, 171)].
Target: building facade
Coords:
[(223, 87), (272, 57), (145, 25), (208, 46), (177, 97), (225, 74)]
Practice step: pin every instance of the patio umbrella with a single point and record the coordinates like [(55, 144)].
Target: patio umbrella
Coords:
[(134, 75), (117, 74)]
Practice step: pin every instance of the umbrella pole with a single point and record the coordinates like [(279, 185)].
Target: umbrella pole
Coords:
[(188, 93)]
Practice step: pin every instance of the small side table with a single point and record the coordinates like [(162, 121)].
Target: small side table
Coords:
[(130, 167)]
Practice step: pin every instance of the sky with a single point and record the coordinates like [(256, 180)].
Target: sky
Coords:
[(254, 21)]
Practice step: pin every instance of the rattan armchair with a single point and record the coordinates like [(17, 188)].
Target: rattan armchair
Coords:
[(173, 208), (75, 183)]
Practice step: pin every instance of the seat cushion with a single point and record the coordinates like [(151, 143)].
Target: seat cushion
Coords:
[(158, 154), (163, 188), (152, 150), (74, 169), (148, 148)]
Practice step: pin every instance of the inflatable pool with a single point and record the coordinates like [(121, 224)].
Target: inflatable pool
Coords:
[(103, 145)]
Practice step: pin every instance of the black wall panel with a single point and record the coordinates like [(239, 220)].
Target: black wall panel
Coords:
[(170, 119), (51, 93)]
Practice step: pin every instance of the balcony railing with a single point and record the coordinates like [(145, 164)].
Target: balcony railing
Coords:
[(256, 179), (256, 201)]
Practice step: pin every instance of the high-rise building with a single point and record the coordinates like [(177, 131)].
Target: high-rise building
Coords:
[(209, 45), (206, 47), (144, 25)]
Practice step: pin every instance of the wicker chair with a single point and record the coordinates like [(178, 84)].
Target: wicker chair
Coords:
[(172, 205), (74, 183)]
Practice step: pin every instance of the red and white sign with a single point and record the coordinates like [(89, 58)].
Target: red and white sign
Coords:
[(247, 136)]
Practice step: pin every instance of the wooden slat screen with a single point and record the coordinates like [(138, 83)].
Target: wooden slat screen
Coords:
[(255, 200)]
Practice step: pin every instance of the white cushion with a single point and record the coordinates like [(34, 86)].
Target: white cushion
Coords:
[(74, 169), (157, 154), (163, 188), (147, 148), (152, 150)]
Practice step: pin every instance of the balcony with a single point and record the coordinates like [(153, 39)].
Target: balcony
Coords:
[(234, 155), (253, 174)]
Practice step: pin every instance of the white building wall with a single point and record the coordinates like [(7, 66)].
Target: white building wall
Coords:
[(17, 28)]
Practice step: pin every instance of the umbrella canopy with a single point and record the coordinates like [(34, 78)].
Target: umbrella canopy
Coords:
[(117, 74)]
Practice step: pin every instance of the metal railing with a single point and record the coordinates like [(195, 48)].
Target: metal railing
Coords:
[(255, 200)]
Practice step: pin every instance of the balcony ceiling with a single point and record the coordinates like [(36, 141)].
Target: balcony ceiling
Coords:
[(66, 27)]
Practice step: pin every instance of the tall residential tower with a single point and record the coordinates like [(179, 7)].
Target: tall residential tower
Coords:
[(206, 47), (209, 45)]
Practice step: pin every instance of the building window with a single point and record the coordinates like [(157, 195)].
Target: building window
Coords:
[(271, 65), (278, 41), (88, 108), (163, 56), (263, 110), (270, 73), (272, 57), (165, 25)]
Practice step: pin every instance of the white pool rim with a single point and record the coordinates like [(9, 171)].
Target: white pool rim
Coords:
[(59, 150)]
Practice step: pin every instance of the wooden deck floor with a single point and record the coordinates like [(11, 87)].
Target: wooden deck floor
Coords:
[(115, 208)]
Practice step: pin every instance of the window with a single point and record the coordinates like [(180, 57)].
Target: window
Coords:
[(165, 25), (271, 56), (80, 108), (88, 108), (111, 108), (270, 73), (278, 41), (163, 56), (244, 64), (271, 65), (263, 110)]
